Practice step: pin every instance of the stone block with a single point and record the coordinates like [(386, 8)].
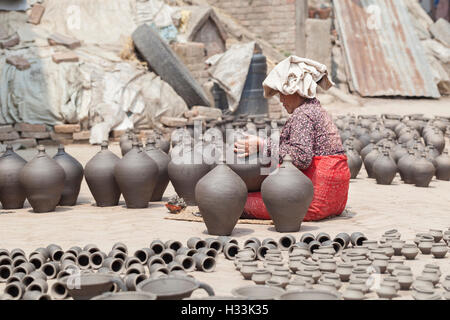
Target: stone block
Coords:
[(26, 143), (210, 113), (36, 135), (60, 39), (6, 128), (13, 135), (19, 62), (10, 41), (65, 57), (173, 121), (82, 135)]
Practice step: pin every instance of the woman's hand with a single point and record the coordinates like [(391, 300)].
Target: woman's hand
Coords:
[(251, 144)]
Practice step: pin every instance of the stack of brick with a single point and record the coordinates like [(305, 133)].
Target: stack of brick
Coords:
[(70, 133), (192, 54), (25, 134)]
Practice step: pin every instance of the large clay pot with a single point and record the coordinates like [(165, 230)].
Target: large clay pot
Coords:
[(43, 180), (12, 194), (186, 168), (163, 144), (437, 140), (74, 175), (249, 169), (136, 176), (370, 159), (405, 167), (287, 194), (221, 207), (126, 143), (398, 152), (162, 161), (367, 149), (423, 172), (99, 174), (443, 167), (354, 162), (384, 169)]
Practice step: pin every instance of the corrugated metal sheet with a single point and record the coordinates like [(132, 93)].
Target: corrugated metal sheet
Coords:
[(383, 53)]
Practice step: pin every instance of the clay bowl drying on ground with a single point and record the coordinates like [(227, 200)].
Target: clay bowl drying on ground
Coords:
[(87, 286), (258, 292), (129, 295)]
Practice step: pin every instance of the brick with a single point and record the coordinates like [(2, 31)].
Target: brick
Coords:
[(211, 113), (67, 128), (173, 122), (65, 57), (36, 135), (28, 127), (19, 62), (36, 14), (47, 142), (190, 114), (60, 39), (117, 133), (82, 135), (26, 143), (10, 41), (59, 136), (6, 128), (13, 135)]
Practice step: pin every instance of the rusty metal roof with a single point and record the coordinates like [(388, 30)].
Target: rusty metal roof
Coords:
[(383, 54)]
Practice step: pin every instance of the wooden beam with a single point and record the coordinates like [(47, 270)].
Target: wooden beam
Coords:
[(301, 14)]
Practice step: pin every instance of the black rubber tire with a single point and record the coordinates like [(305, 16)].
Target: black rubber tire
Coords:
[(164, 62)]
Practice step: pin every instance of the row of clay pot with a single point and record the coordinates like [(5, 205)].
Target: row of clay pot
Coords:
[(45, 182)]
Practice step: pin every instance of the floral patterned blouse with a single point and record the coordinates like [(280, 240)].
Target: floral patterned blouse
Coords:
[(308, 132)]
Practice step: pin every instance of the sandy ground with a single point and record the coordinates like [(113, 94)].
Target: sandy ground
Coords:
[(372, 209)]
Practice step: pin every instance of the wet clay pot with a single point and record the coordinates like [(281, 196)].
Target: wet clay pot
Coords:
[(287, 195), (423, 172), (173, 287), (221, 207), (99, 175), (163, 144), (136, 176), (249, 169), (405, 167), (12, 194), (443, 167), (354, 162), (370, 159), (185, 170), (126, 143), (74, 175), (87, 286), (43, 180), (162, 161), (384, 169)]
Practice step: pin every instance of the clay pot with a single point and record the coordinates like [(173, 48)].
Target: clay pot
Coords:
[(163, 144), (443, 167), (248, 169), (258, 292), (357, 238), (397, 245), (384, 169), (74, 175), (196, 243), (344, 270), (12, 194), (286, 242), (405, 167), (387, 291), (410, 251), (129, 295), (432, 275), (354, 162), (307, 238), (439, 250), (343, 239), (423, 172), (162, 161), (126, 143), (231, 196), (173, 287), (43, 181), (353, 292), (421, 293), (287, 195), (230, 250), (15, 290), (90, 285), (423, 282), (99, 175), (425, 245), (370, 159), (136, 176), (185, 171), (35, 295), (405, 279)]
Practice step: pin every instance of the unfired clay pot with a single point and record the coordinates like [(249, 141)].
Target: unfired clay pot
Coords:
[(173, 287), (162, 161), (12, 194), (221, 207), (74, 175), (99, 174), (287, 195), (354, 162), (185, 171), (384, 169), (370, 159), (423, 172), (136, 176), (405, 167), (443, 167), (43, 181)]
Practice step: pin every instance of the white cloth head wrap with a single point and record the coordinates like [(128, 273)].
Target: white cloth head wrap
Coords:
[(297, 75)]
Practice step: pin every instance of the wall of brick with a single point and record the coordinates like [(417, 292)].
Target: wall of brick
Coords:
[(192, 54), (272, 20)]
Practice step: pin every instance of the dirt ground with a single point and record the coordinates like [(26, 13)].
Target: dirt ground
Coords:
[(372, 209)]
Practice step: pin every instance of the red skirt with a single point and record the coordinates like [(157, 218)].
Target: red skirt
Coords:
[(330, 176)]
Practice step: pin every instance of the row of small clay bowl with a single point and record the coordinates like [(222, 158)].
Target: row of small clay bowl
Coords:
[(277, 274), (22, 275)]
